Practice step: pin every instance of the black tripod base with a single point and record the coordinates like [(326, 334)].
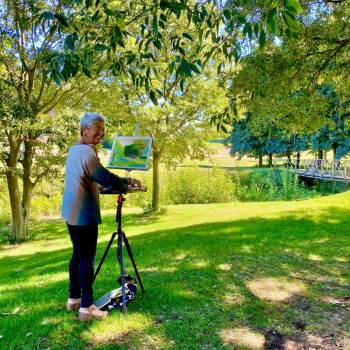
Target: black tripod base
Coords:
[(125, 281)]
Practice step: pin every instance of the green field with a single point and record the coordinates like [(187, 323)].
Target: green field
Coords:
[(233, 275)]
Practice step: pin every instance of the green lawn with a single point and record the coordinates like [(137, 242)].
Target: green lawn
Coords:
[(236, 275)]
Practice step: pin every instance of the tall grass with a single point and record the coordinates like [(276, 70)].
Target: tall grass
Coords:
[(270, 184)]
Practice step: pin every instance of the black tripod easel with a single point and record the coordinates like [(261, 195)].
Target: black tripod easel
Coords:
[(121, 239)]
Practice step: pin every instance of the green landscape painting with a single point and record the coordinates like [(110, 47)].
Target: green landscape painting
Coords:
[(130, 152)]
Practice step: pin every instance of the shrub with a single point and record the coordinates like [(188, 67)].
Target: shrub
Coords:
[(5, 209), (195, 185)]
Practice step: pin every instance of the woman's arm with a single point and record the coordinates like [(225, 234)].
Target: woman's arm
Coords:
[(98, 173)]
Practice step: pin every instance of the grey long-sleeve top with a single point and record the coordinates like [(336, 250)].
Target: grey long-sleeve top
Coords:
[(80, 205)]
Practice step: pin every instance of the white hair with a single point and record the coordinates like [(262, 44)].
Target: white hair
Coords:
[(89, 118)]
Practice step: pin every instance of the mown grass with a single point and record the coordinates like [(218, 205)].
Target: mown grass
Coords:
[(234, 275)]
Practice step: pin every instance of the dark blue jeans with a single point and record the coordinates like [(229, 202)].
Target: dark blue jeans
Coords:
[(81, 266)]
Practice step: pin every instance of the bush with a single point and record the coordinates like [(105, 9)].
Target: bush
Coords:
[(46, 205), (5, 209), (194, 185)]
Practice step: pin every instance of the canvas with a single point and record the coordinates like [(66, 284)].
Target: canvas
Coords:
[(130, 152)]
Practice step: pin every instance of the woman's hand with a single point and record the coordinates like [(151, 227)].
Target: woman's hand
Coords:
[(134, 184)]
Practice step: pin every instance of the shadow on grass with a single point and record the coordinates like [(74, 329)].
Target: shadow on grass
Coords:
[(207, 286)]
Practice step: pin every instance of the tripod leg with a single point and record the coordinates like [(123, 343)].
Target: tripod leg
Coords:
[(128, 248), (122, 268), (104, 255)]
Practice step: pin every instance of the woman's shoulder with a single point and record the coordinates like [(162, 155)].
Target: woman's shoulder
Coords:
[(81, 148)]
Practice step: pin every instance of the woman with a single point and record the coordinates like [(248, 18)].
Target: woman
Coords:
[(81, 211)]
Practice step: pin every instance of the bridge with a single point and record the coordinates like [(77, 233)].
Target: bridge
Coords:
[(323, 169)]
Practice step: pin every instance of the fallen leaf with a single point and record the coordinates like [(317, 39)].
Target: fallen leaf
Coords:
[(29, 334)]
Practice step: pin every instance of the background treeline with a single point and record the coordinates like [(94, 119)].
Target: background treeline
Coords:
[(248, 140)]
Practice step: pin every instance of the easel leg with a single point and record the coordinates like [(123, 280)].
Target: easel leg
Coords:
[(122, 268), (128, 248), (104, 255)]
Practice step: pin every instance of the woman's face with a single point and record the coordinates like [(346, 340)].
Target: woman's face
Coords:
[(94, 134)]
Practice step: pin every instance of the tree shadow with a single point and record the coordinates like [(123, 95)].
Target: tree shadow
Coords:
[(204, 284)]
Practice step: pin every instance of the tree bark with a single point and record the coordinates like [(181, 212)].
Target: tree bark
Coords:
[(269, 164), (298, 160), (320, 154), (27, 184), (260, 161), (334, 152), (17, 232), (155, 184), (12, 178)]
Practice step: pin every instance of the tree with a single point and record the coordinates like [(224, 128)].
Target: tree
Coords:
[(247, 140), (178, 124), (335, 134), (34, 127), (280, 81)]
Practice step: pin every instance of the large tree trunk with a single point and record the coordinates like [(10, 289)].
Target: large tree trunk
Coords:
[(289, 157), (260, 161), (17, 232), (12, 177), (155, 184), (27, 184)]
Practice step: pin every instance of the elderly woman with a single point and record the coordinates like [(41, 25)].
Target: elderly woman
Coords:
[(81, 211)]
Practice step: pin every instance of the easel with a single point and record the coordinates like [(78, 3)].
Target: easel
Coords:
[(121, 239)]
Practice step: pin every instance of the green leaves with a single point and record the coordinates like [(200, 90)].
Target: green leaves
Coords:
[(187, 67), (227, 14), (61, 19), (100, 47), (172, 5), (248, 30), (290, 21), (69, 42), (153, 98), (187, 36), (293, 6), (271, 21), (87, 72), (262, 39)]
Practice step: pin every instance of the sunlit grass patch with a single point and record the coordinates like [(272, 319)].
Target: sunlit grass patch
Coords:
[(243, 336), (315, 257), (116, 328), (275, 289)]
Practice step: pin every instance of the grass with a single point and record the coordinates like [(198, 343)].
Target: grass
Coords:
[(217, 276)]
